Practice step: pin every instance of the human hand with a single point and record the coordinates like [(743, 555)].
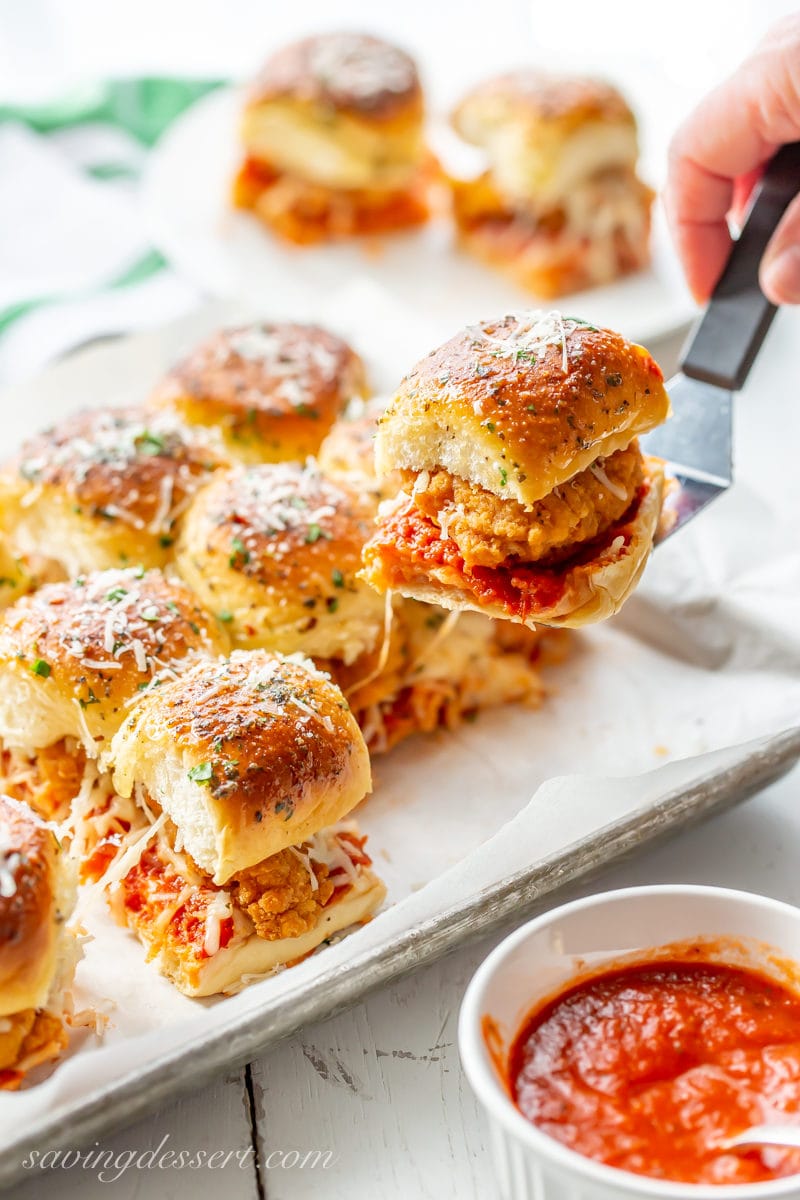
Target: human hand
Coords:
[(718, 155)]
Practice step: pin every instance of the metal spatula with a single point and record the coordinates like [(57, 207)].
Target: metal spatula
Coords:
[(697, 440)]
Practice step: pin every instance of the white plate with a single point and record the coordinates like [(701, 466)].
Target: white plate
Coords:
[(226, 252)]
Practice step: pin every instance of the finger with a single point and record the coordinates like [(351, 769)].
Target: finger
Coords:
[(780, 269), (742, 192), (733, 132)]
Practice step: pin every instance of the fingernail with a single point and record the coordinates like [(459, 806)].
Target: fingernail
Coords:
[(780, 276)]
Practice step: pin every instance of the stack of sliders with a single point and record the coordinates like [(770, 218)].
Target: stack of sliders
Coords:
[(333, 141), (74, 658), (560, 206), (38, 952), (272, 389), (527, 497), (242, 770)]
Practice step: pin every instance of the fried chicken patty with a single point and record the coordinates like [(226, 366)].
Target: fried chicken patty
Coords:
[(488, 529), (278, 894), (47, 779)]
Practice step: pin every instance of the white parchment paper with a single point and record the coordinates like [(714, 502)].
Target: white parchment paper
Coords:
[(705, 658)]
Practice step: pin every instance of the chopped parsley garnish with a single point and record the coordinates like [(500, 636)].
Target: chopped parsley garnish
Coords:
[(201, 773), (332, 603), (150, 613), (165, 541), (116, 594), (490, 426), (91, 699), (297, 502), (314, 533), (150, 443), (240, 551), (173, 608), (337, 577), (195, 628), (40, 667), (503, 476), (225, 616)]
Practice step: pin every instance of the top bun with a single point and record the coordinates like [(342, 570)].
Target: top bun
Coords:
[(350, 72), (341, 111), (277, 549), (105, 488), (543, 134), (35, 899), (272, 389), (247, 756), (73, 655), (521, 404)]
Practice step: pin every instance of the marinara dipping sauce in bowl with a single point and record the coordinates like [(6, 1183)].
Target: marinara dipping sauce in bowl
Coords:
[(617, 1042)]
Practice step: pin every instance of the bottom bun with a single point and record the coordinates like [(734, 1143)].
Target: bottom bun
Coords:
[(409, 555)]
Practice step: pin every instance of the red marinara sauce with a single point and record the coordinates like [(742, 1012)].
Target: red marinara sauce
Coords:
[(649, 1067)]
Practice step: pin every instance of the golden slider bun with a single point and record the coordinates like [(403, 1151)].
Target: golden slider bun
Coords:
[(36, 897), (247, 756), (272, 390), (521, 404), (15, 575), (544, 134), (105, 488), (408, 555), (275, 550), (72, 655), (342, 110), (348, 455)]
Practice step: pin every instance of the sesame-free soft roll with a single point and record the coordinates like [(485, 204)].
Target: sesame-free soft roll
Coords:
[(275, 550), (560, 206), (246, 769), (272, 389), (74, 657), (332, 133), (348, 454), (37, 951), (105, 488), (527, 496)]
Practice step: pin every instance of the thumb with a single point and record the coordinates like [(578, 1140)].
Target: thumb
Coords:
[(780, 267)]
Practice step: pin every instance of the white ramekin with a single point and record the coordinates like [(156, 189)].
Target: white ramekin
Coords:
[(540, 958)]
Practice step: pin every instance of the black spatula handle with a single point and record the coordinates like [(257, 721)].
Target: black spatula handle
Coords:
[(738, 315)]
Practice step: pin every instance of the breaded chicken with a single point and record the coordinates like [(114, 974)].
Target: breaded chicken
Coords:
[(278, 894), (489, 530)]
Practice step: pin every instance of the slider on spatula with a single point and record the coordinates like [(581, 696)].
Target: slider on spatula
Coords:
[(560, 206), (246, 769), (272, 389), (332, 133), (105, 488), (527, 496), (37, 951), (74, 658)]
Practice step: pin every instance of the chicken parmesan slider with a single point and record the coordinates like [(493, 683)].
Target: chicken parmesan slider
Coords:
[(73, 658), (105, 488), (272, 390), (560, 206), (275, 550), (333, 140), (527, 496), (248, 766), (37, 952)]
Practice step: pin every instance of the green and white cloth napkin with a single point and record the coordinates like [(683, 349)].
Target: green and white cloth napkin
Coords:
[(75, 262)]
